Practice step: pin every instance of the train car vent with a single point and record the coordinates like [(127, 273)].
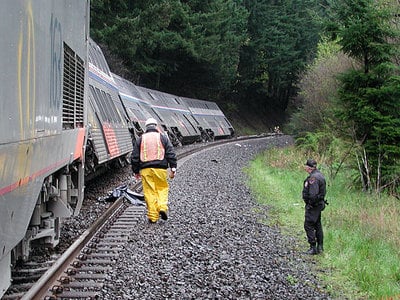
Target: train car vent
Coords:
[(73, 90)]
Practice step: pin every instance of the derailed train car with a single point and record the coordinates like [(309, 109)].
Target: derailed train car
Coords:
[(65, 118), (210, 120), (185, 120), (138, 109), (43, 82), (109, 139), (174, 117)]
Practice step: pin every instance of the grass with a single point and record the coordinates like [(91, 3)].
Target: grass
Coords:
[(362, 231)]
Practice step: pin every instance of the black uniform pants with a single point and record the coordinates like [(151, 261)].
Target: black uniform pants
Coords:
[(313, 225)]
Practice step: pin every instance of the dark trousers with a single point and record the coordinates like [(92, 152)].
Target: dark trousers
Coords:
[(313, 225)]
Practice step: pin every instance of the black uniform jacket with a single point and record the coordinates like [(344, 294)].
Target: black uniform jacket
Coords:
[(169, 157), (314, 188)]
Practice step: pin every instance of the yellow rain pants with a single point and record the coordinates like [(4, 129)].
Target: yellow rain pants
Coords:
[(155, 190)]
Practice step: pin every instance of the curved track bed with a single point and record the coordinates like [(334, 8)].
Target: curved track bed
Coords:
[(212, 246)]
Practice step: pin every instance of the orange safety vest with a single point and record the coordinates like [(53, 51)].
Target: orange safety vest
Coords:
[(151, 147)]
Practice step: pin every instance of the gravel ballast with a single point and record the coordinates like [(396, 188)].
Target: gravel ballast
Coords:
[(213, 245)]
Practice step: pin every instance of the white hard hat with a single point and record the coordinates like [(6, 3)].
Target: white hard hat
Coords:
[(150, 121)]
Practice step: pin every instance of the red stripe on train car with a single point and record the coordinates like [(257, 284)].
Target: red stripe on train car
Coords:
[(111, 140), (27, 179), (79, 144)]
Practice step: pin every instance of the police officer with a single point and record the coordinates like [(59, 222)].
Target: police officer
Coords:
[(314, 190), (152, 155)]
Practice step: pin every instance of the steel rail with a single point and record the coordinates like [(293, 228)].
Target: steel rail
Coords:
[(41, 287)]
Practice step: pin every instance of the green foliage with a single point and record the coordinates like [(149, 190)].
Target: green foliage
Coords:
[(282, 38), (326, 50), (220, 30), (249, 52), (145, 35), (363, 29), (371, 109), (362, 232), (313, 106), (189, 48), (330, 149), (266, 184), (368, 106)]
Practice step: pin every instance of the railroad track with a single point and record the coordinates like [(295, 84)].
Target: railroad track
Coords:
[(80, 272)]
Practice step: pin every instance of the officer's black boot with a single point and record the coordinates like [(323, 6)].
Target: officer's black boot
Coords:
[(312, 250), (320, 248)]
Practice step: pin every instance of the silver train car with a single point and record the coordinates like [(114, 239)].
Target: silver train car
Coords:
[(43, 91), (138, 109), (65, 118), (173, 115), (210, 120), (185, 120), (109, 138)]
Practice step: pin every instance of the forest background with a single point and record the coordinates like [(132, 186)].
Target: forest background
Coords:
[(326, 72)]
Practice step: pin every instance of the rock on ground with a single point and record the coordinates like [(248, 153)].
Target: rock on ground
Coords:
[(213, 245)]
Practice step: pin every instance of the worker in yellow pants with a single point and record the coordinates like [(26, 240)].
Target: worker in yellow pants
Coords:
[(155, 190), (152, 155)]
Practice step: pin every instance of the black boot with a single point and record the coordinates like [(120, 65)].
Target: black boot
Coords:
[(312, 250), (163, 215), (320, 248)]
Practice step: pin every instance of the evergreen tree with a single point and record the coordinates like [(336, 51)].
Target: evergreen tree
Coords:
[(370, 96), (183, 47), (283, 37)]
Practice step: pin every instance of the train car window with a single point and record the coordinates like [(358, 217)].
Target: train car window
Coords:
[(99, 61), (104, 64), (100, 104), (227, 122), (152, 97), (194, 119), (191, 124), (118, 109), (162, 98), (140, 112), (155, 96), (91, 102), (109, 105), (136, 114), (97, 102), (159, 117), (91, 56), (103, 100), (97, 58)]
